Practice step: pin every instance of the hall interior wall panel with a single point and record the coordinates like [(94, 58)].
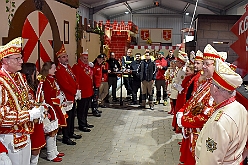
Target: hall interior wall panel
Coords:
[(84, 12), (237, 10), (98, 17), (125, 18), (172, 22)]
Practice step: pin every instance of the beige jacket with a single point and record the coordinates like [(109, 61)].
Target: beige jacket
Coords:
[(223, 138)]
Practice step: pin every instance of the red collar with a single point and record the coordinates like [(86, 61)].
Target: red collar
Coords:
[(225, 102)]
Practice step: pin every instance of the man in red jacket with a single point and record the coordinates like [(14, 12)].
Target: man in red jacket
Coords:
[(161, 65), (68, 84), (84, 75), (97, 80)]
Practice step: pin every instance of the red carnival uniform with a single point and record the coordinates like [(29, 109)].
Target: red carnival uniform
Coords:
[(182, 97), (84, 75), (193, 121), (38, 136), (67, 81), (52, 91)]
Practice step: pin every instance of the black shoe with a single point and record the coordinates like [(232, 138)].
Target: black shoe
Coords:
[(84, 129), (90, 125), (96, 113), (75, 136), (99, 111), (68, 142)]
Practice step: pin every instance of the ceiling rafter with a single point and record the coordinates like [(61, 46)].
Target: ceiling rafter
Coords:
[(128, 7), (134, 12), (100, 7), (233, 4), (206, 6)]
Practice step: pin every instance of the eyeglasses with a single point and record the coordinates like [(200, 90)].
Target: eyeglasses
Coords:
[(129, 52), (215, 85), (18, 59), (171, 52), (207, 64)]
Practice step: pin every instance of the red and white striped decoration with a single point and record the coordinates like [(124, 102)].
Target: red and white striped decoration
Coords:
[(155, 47)]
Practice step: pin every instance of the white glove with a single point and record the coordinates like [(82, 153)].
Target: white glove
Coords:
[(179, 88), (61, 97), (179, 118), (174, 85), (78, 95), (36, 113), (91, 64), (4, 159)]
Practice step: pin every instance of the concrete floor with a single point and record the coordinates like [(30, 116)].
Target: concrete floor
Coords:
[(124, 135)]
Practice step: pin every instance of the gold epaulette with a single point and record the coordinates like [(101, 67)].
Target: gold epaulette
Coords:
[(217, 117), (41, 77)]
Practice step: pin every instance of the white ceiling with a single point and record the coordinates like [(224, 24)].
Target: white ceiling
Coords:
[(115, 8)]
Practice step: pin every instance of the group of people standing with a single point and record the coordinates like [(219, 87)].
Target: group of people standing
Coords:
[(213, 124), (201, 91), (35, 107)]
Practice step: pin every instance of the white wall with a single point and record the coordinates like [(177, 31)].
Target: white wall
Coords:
[(59, 11)]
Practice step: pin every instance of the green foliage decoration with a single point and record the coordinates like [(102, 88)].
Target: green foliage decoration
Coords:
[(10, 9)]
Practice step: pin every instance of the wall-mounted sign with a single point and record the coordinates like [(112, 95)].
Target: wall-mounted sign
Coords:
[(155, 35), (144, 34), (240, 29), (167, 34)]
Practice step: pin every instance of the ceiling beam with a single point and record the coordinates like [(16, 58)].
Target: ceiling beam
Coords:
[(233, 4), (186, 7), (128, 7), (209, 7), (100, 7)]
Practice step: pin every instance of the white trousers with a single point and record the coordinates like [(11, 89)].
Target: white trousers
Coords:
[(52, 150), (21, 157)]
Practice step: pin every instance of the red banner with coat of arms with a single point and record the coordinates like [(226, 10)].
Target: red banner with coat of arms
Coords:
[(167, 34), (144, 34)]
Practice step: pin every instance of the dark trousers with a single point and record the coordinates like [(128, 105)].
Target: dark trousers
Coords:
[(159, 84), (128, 84), (136, 85), (83, 106), (69, 130), (112, 81), (94, 103)]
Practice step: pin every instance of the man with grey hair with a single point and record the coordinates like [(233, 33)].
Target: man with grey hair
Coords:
[(224, 136)]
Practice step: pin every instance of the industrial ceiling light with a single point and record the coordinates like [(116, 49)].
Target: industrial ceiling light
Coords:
[(187, 13), (126, 12), (156, 3)]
